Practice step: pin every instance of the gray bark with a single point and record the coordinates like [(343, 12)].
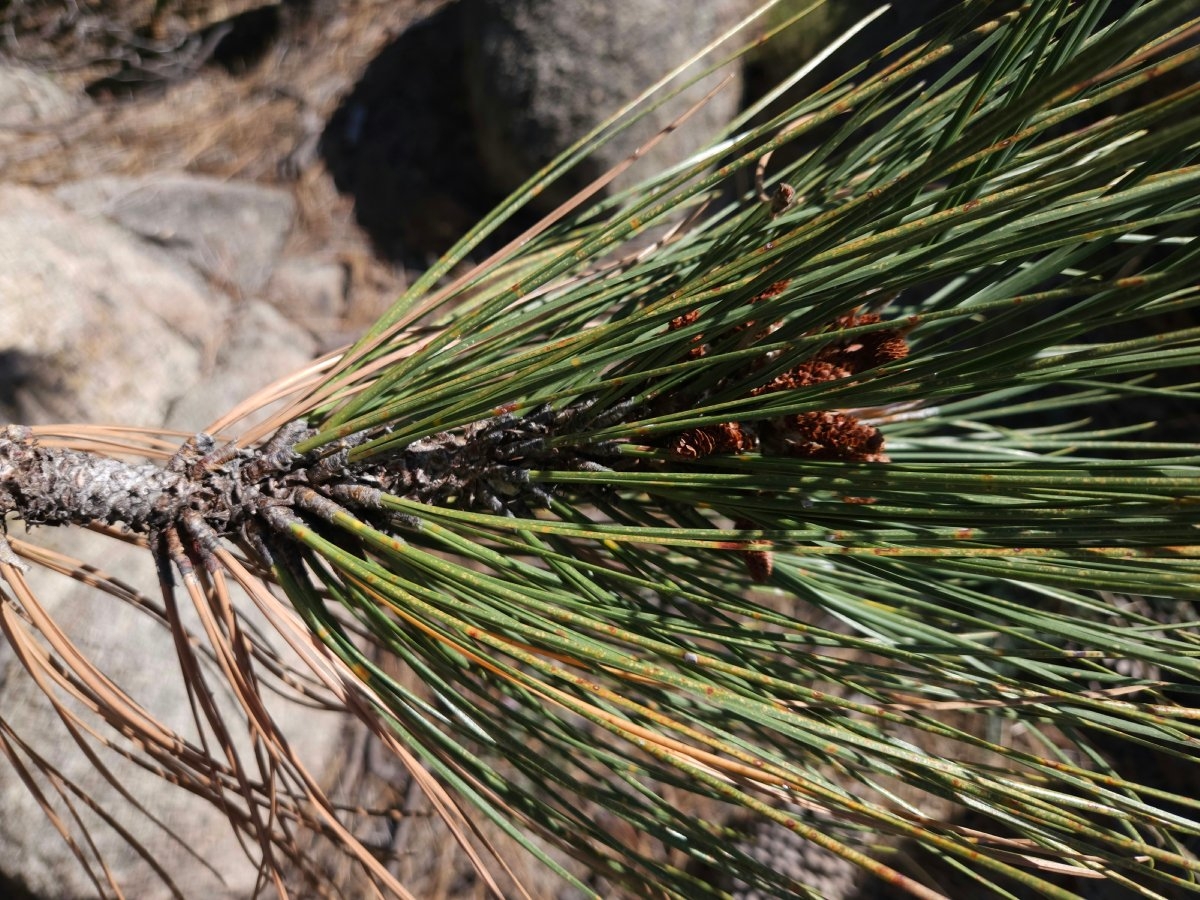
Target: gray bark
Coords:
[(47, 486)]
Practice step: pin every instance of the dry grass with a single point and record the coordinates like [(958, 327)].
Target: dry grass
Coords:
[(260, 124)]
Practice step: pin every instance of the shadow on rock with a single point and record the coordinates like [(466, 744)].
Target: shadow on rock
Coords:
[(401, 144)]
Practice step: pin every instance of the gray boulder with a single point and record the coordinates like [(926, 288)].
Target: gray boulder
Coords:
[(106, 327), (311, 291), (94, 327), (542, 73), (135, 652), (257, 346), (232, 232)]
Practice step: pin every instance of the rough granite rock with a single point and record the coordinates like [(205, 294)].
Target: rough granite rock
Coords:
[(257, 346), (310, 291), (231, 232), (94, 327), (542, 73), (138, 654), (99, 325)]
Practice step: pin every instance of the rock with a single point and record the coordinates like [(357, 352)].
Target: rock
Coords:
[(138, 655), (231, 232), (309, 291), (136, 652), (104, 326), (29, 98), (401, 144), (542, 73), (96, 327), (257, 346)]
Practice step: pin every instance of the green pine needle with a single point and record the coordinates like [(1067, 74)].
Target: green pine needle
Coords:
[(949, 620)]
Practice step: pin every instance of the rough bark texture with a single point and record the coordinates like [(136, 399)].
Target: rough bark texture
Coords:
[(46, 486), (212, 491)]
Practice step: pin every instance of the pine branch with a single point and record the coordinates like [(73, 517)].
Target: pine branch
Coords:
[(794, 511)]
